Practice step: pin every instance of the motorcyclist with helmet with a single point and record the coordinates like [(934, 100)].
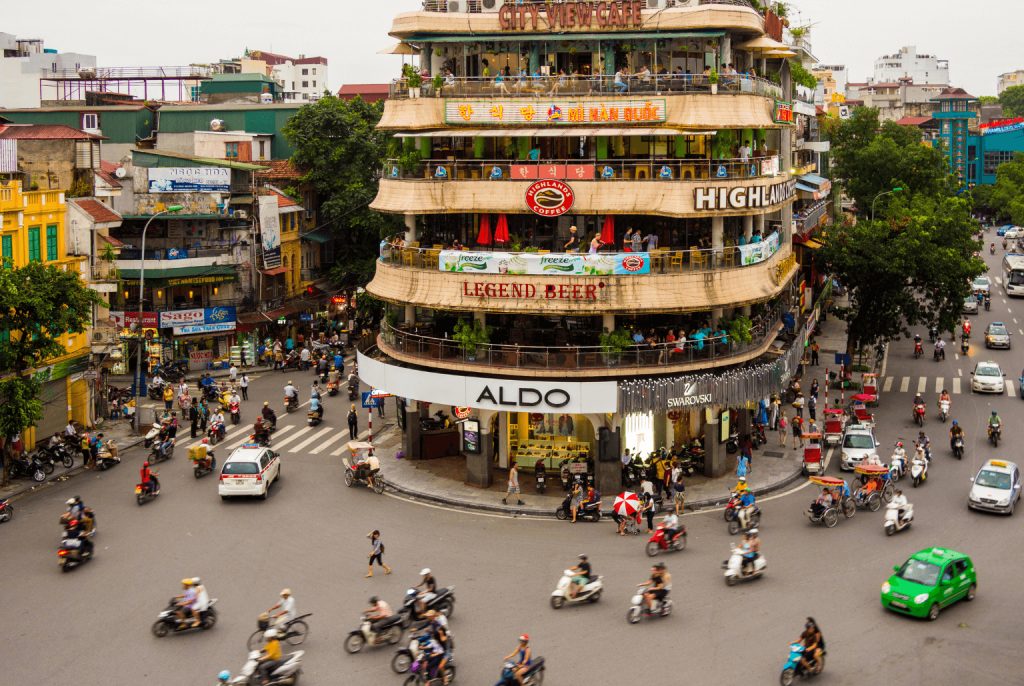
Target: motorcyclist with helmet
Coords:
[(291, 393), (994, 422), (582, 574), (520, 658), (269, 416), (270, 656), (429, 585), (148, 479), (924, 443), (956, 431), (814, 646), (751, 548)]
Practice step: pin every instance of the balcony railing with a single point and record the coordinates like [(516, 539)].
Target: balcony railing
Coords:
[(712, 347), (104, 271), (603, 85), (809, 217), (584, 169), (663, 260), (475, 6)]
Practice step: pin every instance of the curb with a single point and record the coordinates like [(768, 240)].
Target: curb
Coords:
[(697, 506), (64, 476)]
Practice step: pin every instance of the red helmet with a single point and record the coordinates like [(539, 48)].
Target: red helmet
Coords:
[(205, 441), (145, 464)]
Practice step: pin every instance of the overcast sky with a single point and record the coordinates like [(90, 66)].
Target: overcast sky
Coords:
[(350, 32)]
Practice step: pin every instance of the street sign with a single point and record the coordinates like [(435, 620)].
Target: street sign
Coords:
[(369, 401), (577, 467)]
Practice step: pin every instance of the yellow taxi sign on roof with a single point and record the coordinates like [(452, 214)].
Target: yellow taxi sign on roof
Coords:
[(997, 463)]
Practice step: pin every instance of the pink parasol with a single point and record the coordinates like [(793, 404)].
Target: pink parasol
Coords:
[(484, 236), (626, 504)]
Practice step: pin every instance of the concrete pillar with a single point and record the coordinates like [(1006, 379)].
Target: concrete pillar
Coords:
[(759, 223), (716, 316), (480, 317), (410, 315), (608, 322), (411, 436), (715, 462), (718, 233), (410, 228), (608, 465), (726, 51), (480, 467), (748, 226)]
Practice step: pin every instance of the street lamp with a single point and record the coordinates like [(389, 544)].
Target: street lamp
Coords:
[(897, 189), (139, 390)]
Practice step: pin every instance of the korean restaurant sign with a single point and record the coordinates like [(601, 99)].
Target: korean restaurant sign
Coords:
[(742, 197), (544, 264), (553, 112), (570, 16), (783, 112)]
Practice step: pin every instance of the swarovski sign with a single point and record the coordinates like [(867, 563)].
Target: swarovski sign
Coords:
[(690, 397), (742, 197)]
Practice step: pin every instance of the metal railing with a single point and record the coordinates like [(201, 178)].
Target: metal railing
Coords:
[(663, 260), (476, 6), (809, 217), (182, 253), (105, 271), (713, 346), (584, 169), (633, 85)]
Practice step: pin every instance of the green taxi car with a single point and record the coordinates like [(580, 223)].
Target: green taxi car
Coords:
[(930, 580)]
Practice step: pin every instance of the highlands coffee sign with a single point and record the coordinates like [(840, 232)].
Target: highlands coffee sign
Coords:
[(570, 16), (742, 197)]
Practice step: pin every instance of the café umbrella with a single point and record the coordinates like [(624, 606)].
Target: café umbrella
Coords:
[(626, 504), (483, 237), (501, 230), (608, 230)]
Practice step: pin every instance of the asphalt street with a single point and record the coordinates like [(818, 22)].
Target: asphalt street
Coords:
[(91, 626)]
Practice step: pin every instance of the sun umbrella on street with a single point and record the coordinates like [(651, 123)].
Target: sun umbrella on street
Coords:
[(608, 230), (501, 230), (626, 504), (484, 236)]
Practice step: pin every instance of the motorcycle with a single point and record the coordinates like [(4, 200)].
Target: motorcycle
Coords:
[(314, 417), (988, 302), (590, 593), (958, 448), (236, 412), (59, 453), (995, 432), (107, 456), (143, 493), (353, 389), (155, 432), (291, 403), (408, 659), (216, 432), (534, 676), (659, 543), (943, 410), (794, 669), (591, 511), (203, 461), (919, 410), (6, 511), (285, 675), (939, 354), (388, 632), (753, 521), (733, 444), (965, 345), (72, 553), (162, 451), (918, 348), (736, 570), (168, 620), (918, 470), (638, 608), (359, 473), (540, 474), (893, 522), (443, 602), (420, 673), (29, 467), (933, 334), (439, 420), (897, 464)]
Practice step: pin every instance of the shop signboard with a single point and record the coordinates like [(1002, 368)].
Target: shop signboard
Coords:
[(124, 320), (204, 328), (461, 412), (177, 253), (585, 15), (198, 316), (471, 436), (716, 198), (199, 359), (189, 180), (577, 468), (270, 231), (559, 264), (752, 253), (559, 112), (723, 427)]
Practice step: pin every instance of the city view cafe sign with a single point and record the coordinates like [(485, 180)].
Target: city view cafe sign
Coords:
[(568, 16)]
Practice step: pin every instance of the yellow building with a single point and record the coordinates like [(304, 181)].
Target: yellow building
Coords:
[(33, 228)]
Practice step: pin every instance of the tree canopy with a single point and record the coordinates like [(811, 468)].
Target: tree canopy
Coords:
[(1006, 198), (1012, 100), (341, 153)]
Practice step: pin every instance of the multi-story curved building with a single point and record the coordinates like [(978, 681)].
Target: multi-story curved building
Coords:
[(532, 124)]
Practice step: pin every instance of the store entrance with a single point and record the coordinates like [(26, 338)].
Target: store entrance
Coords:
[(554, 441)]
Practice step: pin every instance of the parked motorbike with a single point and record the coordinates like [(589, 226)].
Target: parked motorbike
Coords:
[(794, 669), (590, 593), (6, 511), (659, 543), (153, 433), (285, 675), (29, 467), (59, 453), (893, 522), (638, 608), (995, 432), (389, 632), (586, 511), (534, 676), (541, 476), (918, 470), (168, 621), (733, 444), (236, 412), (737, 569)]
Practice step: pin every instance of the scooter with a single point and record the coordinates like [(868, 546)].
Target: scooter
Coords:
[(314, 417), (163, 451), (659, 543), (29, 466), (919, 410), (995, 432), (939, 354), (443, 602), (421, 673), (389, 632), (6, 511), (591, 511), (933, 334), (918, 470), (893, 522), (590, 593), (988, 302), (793, 669), (918, 348), (638, 608), (236, 412), (216, 432), (143, 494), (735, 570), (203, 465), (152, 434), (540, 474), (943, 410), (753, 521), (534, 676), (59, 453), (285, 675), (965, 345), (105, 458), (72, 553), (168, 620), (992, 249), (353, 389), (958, 448), (897, 464)]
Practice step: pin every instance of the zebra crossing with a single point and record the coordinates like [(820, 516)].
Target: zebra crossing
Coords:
[(311, 440), (955, 385)]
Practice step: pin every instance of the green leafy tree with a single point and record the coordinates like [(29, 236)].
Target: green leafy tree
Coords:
[(39, 303), (341, 154), (801, 75), (1012, 100), (1006, 197)]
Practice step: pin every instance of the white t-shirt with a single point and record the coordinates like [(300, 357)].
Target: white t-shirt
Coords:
[(202, 598), (288, 607), (372, 462)]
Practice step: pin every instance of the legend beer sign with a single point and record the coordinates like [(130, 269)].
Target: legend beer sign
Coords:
[(570, 16), (742, 197)]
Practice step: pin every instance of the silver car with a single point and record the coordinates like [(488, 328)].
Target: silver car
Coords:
[(997, 336), (996, 488), (970, 305), (981, 284), (858, 444)]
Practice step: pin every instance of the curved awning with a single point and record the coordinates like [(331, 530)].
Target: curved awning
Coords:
[(553, 132)]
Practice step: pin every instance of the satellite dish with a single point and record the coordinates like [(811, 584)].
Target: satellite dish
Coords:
[(216, 125), (120, 172)]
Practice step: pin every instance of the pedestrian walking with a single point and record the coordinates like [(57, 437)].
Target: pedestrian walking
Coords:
[(513, 484), (168, 397), (814, 388), (798, 404), (798, 434), (353, 423), (193, 417), (678, 491), (776, 406), (812, 405), (376, 553), (241, 355), (244, 385), (814, 353), (782, 427), (233, 373), (742, 466), (204, 415), (380, 407)]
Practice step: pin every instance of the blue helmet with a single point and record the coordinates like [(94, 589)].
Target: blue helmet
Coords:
[(424, 639), (224, 676), (954, 422)]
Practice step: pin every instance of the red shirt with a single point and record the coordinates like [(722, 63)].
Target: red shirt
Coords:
[(144, 474)]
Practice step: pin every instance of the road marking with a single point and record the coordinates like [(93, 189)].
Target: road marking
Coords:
[(343, 448), (1015, 320), (939, 381), (246, 438), (1008, 309), (888, 384), (1009, 388), (298, 434), (956, 386), (922, 384), (905, 384), (959, 372), (320, 448), (956, 356), (314, 437)]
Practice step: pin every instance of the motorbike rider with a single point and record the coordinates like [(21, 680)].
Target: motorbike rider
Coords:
[(917, 342), (966, 327), (148, 479), (994, 422), (940, 348), (900, 456), (235, 400), (285, 608), (76, 509), (186, 599), (270, 655), (751, 548), (217, 422), (429, 585), (202, 602), (658, 585), (924, 443), (314, 391), (75, 528), (378, 611), (260, 432), (956, 431), (353, 384), (745, 509), (291, 393), (433, 654), (944, 397), (520, 658), (814, 644), (438, 630), (900, 501), (918, 400), (316, 407), (269, 416), (581, 576)]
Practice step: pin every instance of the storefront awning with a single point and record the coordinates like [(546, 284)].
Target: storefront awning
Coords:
[(553, 132), (182, 276), (806, 188), (612, 37), (274, 271), (812, 244), (814, 180)]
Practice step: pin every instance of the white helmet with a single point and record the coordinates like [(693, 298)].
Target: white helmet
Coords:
[(270, 633), (425, 571), (69, 501)]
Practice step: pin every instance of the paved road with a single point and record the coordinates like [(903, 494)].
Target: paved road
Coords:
[(310, 535)]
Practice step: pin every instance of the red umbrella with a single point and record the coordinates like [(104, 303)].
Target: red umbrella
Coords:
[(501, 230), (484, 237), (608, 230), (626, 504)]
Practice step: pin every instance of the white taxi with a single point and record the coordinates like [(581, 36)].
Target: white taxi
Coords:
[(996, 488), (249, 470), (987, 377)]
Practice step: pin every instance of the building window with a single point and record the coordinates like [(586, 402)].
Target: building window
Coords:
[(34, 252), (7, 251), (314, 84), (994, 159), (51, 242), (305, 84), (231, 151), (263, 149), (314, 71), (305, 72), (90, 120)]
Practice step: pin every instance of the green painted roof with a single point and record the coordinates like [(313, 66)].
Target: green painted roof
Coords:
[(243, 77), (141, 158)]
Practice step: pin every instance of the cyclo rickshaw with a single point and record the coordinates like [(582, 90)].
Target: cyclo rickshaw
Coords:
[(835, 424), (869, 388), (876, 486), (812, 454), (859, 410), (826, 510)]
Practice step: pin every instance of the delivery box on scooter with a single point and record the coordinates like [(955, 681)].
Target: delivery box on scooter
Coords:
[(197, 453)]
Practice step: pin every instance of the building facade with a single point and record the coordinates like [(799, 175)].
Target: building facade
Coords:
[(544, 136), (956, 115), (908, 64), (1010, 78), (23, 62)]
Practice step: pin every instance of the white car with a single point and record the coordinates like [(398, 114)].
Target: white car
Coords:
[(996, 488), (249, 471), (970, 305), (987, 377), (981, 284), (858, 444), (1015, 232)]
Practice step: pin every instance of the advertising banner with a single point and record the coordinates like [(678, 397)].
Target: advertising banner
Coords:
[(753, 253), (199, 316), (177, 253), (203, 328), (562, 264), (189, 180), (553, 112), (123, 320), (270, 230)]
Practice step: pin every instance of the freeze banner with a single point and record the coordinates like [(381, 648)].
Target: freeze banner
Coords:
[(270, 229), (560, 264), (189, 180), (753, 253)]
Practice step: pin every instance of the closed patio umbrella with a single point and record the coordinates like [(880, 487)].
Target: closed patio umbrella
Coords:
[(501, 230), (608, 230), (484, 235)]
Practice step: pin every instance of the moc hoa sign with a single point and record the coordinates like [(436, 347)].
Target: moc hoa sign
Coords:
[(189, 180)]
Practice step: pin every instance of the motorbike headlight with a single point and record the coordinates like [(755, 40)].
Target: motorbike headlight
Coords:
[(920, 598), (886, 587)]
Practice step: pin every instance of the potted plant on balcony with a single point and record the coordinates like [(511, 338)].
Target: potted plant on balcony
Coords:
[(413, 79), (437, 82), (109, 268), (713, 80), (613, 343), (740, 331), (470, 336)]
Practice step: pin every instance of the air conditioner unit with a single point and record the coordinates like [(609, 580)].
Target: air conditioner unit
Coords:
[(457, 6), (491, 5)]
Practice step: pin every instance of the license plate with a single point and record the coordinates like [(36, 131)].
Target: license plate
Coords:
[(243, 482), (898, 604)]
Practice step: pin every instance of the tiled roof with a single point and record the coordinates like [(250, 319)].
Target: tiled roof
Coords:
[(954, 94), (113, 242), (100, 213), (311, 60), (44, 132), (913, 121), (283, 200), (109, 178), (280, 169)]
